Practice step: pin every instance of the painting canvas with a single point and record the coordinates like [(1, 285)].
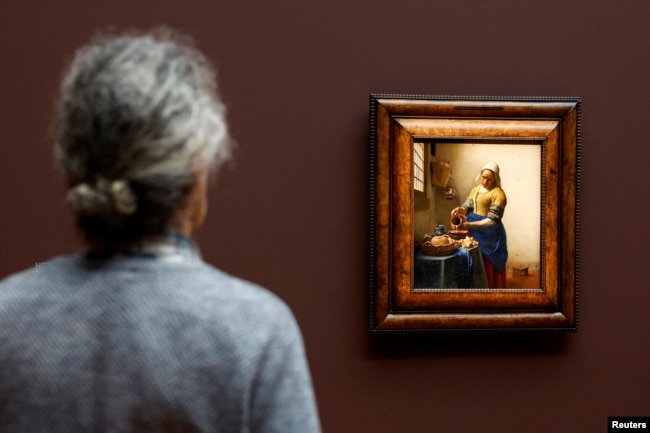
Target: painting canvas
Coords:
[(519, 172)]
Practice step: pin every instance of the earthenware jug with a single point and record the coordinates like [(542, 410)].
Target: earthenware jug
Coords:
[(457, 220)]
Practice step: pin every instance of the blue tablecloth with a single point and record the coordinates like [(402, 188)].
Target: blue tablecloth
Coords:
[(462, 269)]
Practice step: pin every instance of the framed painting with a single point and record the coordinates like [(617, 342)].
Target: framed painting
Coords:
[(474, 208)]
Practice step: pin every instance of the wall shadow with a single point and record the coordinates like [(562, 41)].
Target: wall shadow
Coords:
[(455, 344)]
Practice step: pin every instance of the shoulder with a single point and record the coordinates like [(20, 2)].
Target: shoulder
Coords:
[(498, 194), (215, 299), (211, 282), (194, 288), (230, 312), (41, 273), (29, 295), (206, 309)]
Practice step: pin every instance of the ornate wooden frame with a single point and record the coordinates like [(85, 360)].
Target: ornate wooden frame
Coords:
[(395, 120)]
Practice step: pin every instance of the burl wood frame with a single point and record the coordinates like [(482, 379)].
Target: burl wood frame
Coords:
[(395, 121)]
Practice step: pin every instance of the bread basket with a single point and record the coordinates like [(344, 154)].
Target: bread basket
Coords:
[(438, 245)]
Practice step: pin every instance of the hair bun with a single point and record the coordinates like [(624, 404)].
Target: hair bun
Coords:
[(103, 198), (124, 200)]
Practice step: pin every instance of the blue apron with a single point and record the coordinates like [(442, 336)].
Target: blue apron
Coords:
[(491, 241)]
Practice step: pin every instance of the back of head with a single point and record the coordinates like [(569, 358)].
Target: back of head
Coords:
[(138, 116)]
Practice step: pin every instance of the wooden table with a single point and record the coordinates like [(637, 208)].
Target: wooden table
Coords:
[(462, 269)]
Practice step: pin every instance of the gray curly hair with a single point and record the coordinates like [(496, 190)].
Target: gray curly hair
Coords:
[(138, 115)]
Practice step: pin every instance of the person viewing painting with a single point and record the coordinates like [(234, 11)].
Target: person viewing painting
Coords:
[(484, 209), (135, 332)]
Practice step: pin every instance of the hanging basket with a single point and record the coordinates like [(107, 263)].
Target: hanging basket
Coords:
[(441, 173)]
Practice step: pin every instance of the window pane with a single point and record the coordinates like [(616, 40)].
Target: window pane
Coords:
[(418, 166)]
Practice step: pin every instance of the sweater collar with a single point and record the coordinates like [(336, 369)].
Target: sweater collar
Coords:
[(170, 246)]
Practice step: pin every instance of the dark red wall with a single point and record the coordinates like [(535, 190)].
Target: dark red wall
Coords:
[(292, 212)]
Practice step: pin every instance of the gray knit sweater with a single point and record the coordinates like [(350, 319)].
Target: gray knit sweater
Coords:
[(148, 343)]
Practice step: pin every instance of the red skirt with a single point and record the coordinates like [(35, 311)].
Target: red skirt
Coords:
[(495, 279)]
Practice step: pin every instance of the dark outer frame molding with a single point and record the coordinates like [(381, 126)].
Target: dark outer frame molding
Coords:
[(395, 120)]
